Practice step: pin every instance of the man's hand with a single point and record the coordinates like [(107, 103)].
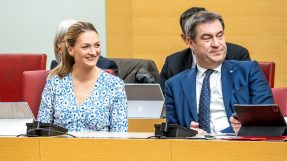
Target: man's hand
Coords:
[(195, 126), (235, 124)]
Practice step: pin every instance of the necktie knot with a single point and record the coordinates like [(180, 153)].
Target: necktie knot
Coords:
[(208, 72)]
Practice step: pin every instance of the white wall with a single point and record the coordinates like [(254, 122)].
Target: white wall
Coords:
[(29, 26)]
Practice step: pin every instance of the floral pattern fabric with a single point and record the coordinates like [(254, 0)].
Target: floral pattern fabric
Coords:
[(105, 109)]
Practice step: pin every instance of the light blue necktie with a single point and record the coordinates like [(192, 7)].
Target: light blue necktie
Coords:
[(204, 103)]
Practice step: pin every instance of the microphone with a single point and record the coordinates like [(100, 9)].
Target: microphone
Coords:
[(37, 128), (173, 130)]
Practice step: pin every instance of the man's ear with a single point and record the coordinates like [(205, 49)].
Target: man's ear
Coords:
[(190, 42), (184, 38)]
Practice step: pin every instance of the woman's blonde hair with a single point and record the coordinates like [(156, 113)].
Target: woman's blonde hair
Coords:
[(67, 61)]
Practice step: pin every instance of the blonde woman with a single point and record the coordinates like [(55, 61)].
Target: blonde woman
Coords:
[(80, 96)]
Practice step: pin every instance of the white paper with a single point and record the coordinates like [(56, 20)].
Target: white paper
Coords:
[(13, 126), (120, 135)]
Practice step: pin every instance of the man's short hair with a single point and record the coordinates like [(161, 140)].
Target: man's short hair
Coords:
[(187, 14), (200, 18)]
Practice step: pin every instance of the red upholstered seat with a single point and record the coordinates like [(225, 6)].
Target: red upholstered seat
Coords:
[(12, 67), (280, 98), (33, 86), (268, 69)]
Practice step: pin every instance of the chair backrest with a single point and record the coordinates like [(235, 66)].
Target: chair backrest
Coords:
[(280, 98), (33, 85), (129, 68), (268, 69), (12, 67)]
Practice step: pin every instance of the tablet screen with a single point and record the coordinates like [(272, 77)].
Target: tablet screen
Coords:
[(259, 115)]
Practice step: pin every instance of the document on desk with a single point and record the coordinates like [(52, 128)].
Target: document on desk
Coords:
[(213, 136), (114, 135), (257, 138), (233, 137)]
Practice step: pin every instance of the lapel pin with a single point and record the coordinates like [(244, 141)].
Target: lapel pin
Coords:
[(231, 71)]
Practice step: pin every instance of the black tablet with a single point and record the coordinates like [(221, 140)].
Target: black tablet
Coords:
[(259, 115), (260, 120)]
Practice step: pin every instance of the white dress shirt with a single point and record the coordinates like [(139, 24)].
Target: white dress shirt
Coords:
[(218, 117)]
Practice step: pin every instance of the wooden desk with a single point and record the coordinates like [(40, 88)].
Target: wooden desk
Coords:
[(143, 125), (24, 149), (228, 150), (90, 149), (104, 150)]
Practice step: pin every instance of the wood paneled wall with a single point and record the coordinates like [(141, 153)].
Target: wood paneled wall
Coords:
[(150, 28)]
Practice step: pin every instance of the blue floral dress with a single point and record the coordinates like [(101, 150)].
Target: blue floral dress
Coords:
[(104, 110)]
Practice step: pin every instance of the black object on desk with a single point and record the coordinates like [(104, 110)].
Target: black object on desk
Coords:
[(44, 129), (173, 130), (260, 120)]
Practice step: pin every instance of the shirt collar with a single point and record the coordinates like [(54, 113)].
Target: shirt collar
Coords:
[(193, 64), (201, 70)]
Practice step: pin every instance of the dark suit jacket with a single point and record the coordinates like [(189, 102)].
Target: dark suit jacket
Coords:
[(242, 83), (102, 63), (137, 70), (182, 60)]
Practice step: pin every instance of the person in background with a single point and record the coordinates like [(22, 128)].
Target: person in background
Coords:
[(80, 96), (182, 60), (202, 98), (59, 45)]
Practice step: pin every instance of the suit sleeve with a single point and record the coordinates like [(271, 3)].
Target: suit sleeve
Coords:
[(114, 67), (171, 115), (244, 54), (260, 91), (237, 52), (105, 63), (54, 63), (163, 76)]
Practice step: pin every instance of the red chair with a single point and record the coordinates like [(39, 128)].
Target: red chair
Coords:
[(268, 69), (280, 98), (33, 85), (12, 67)]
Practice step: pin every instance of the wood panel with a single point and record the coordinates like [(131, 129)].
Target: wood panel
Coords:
[(258, 25), (228, 150), (119, 28), (59, 149), (24, 149), (116, 149), (143, 125)]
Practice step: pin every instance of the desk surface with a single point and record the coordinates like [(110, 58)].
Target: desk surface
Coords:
[(112, 135), (88, 149), (24, 149)]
